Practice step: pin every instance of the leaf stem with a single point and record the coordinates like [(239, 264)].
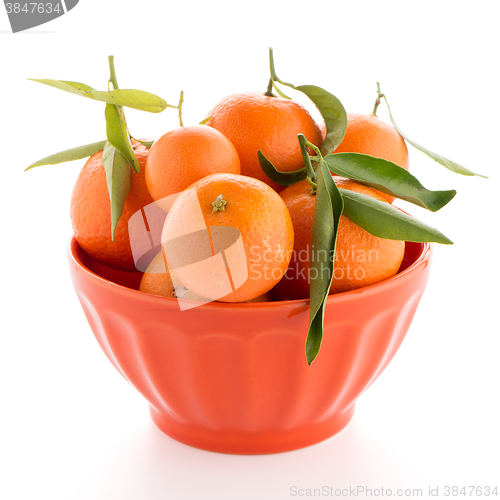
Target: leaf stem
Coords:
[(377, 101), (280, 92)]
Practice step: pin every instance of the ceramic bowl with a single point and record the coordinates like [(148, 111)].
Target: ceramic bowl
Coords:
[(233, 378)]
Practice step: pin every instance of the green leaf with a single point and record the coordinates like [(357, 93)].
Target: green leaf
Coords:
[(147, 144), (70, 154), (281, 178), (118, 136), (385, 221), (450, 165), (136, 99), (333, 114), (388, 178), (118, 174), (327, 211), (72, 87)]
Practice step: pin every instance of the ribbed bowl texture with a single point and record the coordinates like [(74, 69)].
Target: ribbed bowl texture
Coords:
[(233, 378)]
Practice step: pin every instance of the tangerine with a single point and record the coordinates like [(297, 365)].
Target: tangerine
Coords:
[(184, 155), (255, 121), (228, 237), (91, 212), (361, 259), (157, 281), (369, 135)]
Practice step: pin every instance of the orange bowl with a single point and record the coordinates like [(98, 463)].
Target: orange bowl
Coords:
[(233, 378)]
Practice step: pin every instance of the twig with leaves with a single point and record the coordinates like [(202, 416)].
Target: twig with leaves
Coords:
[(118, 156), (378, 218)]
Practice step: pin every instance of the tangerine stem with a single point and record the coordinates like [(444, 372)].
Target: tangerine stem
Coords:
[(269, 91), (112, 73), (313, 184), (304, 144), (318, 158), (274, 76), (114, 82), (316, 150), (219, 204), (179, 107), (377, 102)]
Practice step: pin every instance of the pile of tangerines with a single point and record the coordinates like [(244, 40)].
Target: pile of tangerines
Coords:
[(223, 162), (220, 158)]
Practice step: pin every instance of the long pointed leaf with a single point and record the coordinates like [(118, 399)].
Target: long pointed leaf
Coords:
[(327, 211), (70, 154), (118, 136), (333, 114), (450, 165), (281, 178), (131, 98), (388, 178), (145, 143), (118, 171), (385, 221), (72, 87), (136, 99)]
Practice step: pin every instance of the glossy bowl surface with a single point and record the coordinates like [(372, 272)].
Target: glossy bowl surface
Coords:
[(233, 378)]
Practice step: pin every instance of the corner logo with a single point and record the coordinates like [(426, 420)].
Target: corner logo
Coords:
[(25, 15), (210, 261)]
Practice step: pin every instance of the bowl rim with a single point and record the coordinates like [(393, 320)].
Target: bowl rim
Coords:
[(421, 262)]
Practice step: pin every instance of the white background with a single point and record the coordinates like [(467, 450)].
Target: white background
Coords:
[(71, 427)]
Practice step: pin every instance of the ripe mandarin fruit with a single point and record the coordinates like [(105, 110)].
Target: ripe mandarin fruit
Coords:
[(228, 237), (186, 154), (369, 135), (157, 281), (91, 212), (361, 259), (253, 121)]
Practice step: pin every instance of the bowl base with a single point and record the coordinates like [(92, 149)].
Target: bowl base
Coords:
[(237, 442)]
